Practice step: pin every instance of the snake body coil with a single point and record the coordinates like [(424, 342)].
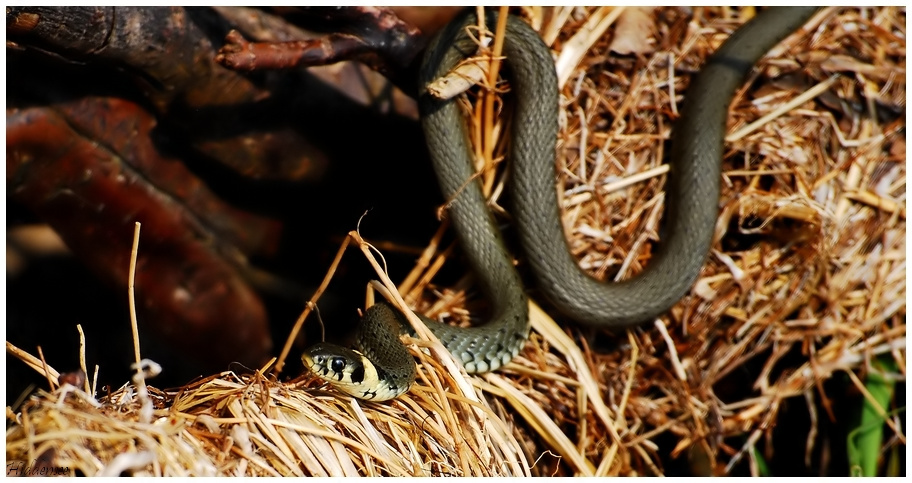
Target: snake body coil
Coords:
[(691, 200)]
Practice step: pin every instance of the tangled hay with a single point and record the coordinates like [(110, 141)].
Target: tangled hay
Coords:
[(806, 280)]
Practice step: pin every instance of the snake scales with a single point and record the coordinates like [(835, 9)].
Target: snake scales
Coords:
[(387, 370)]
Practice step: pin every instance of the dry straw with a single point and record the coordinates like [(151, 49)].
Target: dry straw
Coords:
[(809, 262)]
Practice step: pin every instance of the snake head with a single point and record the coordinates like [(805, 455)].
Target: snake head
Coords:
[(348, 371), (334, 364)]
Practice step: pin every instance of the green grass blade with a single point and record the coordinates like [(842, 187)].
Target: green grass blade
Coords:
[(865, 441)]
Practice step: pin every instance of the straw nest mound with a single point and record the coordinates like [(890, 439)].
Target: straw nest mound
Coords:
[(806, 280)]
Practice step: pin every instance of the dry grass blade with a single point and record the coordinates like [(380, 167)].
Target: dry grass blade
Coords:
[(813, 200), (32, 361), (591, 32), (541, 421)]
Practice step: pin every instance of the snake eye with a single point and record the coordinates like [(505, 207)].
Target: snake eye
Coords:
[(337, 364)]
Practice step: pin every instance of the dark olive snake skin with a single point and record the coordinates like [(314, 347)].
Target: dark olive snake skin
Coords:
[(691, 200)]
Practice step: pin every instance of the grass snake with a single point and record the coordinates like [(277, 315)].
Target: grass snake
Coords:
[(382, 368)]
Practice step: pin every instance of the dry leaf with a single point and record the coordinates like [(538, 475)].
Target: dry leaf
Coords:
[(633, 34)]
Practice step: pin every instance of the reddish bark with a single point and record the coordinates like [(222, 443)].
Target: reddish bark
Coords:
[(91, 197), (174, 64), (374, 36)]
